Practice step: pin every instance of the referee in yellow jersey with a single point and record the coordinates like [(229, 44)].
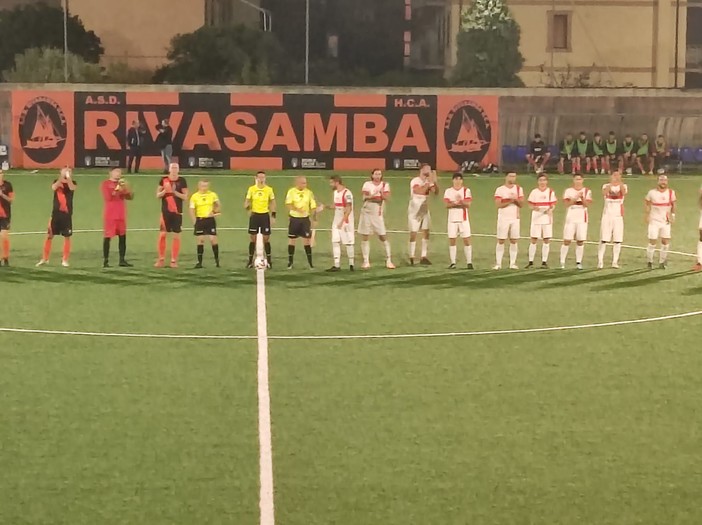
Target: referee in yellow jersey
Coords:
[(301, 205), (204, 207), (260, 202)]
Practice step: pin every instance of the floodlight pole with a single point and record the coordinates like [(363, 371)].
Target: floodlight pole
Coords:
[(65, 41), (307, 42)]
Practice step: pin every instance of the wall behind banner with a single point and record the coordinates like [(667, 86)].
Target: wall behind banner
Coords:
[(247, 130)]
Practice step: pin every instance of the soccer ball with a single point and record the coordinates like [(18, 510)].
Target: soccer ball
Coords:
[(260, 263)]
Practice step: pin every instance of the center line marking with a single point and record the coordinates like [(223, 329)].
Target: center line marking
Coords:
[(265, 440)]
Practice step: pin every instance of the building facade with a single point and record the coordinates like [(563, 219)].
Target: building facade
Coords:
[(574, 43)]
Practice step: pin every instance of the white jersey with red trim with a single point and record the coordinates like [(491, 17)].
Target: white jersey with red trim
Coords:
[(457, 196), (577, 213), (614, 201), (342, 199), (661, 204), (374, 192), (544, 201), (504, 193)]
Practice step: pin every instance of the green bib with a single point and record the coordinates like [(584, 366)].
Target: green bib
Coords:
[(643, 149), (611, 147), (628, 148), (568, 147), (597, 147), (582, 147)]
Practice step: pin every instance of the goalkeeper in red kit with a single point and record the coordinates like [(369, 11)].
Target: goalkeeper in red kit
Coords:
[(115, 191)]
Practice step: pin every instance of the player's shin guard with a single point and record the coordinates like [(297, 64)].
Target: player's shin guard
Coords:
[(468, 252), (122, 247), (308, 253), (664, 253), (513, 252), (412, 249), (291, 254), (215, 252), (106, 249), (267, 248), (365, 250), (388, 250), (616, 250), (6, 248), (161, 246), (579, 252), (175, 249), (452, 254), (650, 251), (545, 251), (532, 252), (200, 253), (47, 250), (336, 253), (699, 252), (564, 253), (252, 251), (425, 248), (601, 249), (350, 253), (66, 249), (499, 254)]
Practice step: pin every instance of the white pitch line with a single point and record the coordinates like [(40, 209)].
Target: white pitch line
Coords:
[(265, 439), (361, 336), (488, 235)]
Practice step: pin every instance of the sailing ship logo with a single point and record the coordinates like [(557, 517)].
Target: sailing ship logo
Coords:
[(43, 130), (467, 132)]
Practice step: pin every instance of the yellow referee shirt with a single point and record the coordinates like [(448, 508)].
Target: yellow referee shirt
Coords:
[(203, 203), (301, 200), (260, 198)]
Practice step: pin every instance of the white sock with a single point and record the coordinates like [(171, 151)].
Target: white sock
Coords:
[(452, 254), (425, 247), (388, 250), (365, 250), (499, 254), (336, 252), (545, 250), (616, 250), (664, 253), (601, 253), (579, 252), (699, 252), (412, 249), (564, 253), (532, 252), (468, 251), (350, 253), (513, 251), (650, 251)]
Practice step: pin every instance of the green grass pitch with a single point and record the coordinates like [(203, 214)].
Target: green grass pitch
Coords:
[(597, 426)]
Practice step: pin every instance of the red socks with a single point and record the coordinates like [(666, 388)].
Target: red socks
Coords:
[(162, 246), (175, 249), (66, 248), (47, 249)]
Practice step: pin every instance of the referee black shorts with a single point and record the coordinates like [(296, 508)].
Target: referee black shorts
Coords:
[(299, 227), (171, 222), (205, 226), (61, 224), (260, 223)]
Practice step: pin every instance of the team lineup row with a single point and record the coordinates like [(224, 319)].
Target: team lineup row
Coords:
[(303, 210)]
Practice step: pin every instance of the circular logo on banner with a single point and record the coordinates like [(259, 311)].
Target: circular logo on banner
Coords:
[(43, 130), (467, 132)]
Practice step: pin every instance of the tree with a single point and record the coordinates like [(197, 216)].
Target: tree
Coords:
[(488, 47), (41, 26), (46, 65), (224, 55)]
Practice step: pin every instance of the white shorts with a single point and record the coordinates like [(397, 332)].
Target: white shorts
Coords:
[(575, 231), (700, 221), (371, 224), (417, 225), (343, 235), (612, 229), (508, 229), (459, 228), (541, 231), (658, 230)]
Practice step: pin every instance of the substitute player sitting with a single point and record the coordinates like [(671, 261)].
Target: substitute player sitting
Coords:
[(301, 205), (61, 222), (509, 199), (577, 198), (372, 221), (260, 203), (418, 216), (542, 201), (342, 223), (612, 226), (458, 199), (659, 208), (172, 191), (204, 207)]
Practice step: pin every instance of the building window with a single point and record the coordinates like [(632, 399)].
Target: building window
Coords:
[(559, 29)]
